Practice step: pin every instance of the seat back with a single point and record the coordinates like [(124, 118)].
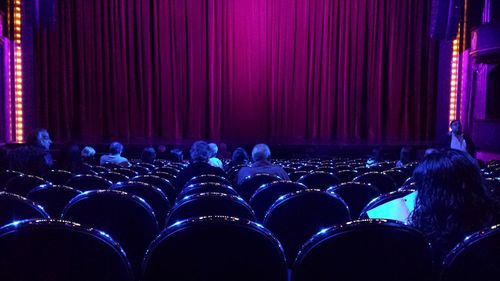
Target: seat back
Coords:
[(126, 217), (346, 175), (383, 182), (100, 169), (365, 250), (398, 176), (168, 169), (126, 172), (206, 187), (476, 258), (297, 216), (382, 199), (58, 177), (295, 176), (210, 204), (14, 207), (153, 196), (267, 194), (215, 248), (59, 251), (319, 180), (53, 198), (356, 195), (114, 177), (251, 183), (88, 182), (140, 170), (22, 184), (6, 175), (208, 178), (163, 184)]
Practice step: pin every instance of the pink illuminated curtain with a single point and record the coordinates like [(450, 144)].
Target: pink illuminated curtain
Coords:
[(337, 70)]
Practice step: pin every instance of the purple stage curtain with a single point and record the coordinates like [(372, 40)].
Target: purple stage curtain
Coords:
[(322, 70)]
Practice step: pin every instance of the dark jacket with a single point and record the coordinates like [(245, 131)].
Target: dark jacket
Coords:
[(471, 148)]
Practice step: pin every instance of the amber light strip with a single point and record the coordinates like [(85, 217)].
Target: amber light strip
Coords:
[(18, 73)]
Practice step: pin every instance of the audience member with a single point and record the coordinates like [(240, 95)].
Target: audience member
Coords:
[(239, 157), (261, 155), (88, 155), (404, 157), (457, 139), (114, 156), (148, 155), (376, 157), (213, 160), (176, 155), (33, 158), (200, 153), (223, 151), (452, 200)]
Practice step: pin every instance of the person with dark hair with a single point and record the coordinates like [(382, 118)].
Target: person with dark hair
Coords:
[(239, 157), (404, 157), (176, 155), (114, 156), (200, 153), (261, 155), (34, 158), (452, 200), (457, 139), (148, 155), (375, 157)]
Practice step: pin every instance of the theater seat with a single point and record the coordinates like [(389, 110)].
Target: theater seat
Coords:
[(6, 175), (346, 175), (297, 216), (208, 178), (50, 250), (206, 187), (114, 177), (14, 207), (215, 248), (126, 217), (58, 177), (383, 182), (356, 195), (22, 184), (53, 198), (163, 184), (319, 180), (251, 183), (476, 258), (382, 199), (210, 204), (379, 250), (88, 182)]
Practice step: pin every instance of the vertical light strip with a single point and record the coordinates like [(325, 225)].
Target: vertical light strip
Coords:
[(18, 73), (454, 80)]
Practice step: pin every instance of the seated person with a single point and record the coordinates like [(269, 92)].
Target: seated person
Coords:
[(375, 157), (404, 157), (260, 155), (88, 155), (452, 200), (200, 153), (148, 155), (214, 161), (33, 158), (114, 156), (176, 155), (239, 157)]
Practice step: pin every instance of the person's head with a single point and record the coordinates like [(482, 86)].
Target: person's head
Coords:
[(261, 152), (200, 151), (404, 155), (115, 148), (452, 198), (148, 155), (88, 152), (161, 148), (39, 137), (176, 155), (456, 126), (213, 149), (240, 155), (377, 153)]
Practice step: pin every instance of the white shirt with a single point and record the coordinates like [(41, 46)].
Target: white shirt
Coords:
[(458, 144), (215, 162)]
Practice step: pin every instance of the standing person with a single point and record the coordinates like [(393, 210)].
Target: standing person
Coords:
[(114, 156), (34, 158), (457, 139)]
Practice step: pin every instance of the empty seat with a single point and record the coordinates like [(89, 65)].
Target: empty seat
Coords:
[(297, 216), (43, 250), (206, 187), (365, 250), (140, 170), (215, 248), (251, 183), (168, 169), (208, 178), (267, 194), (14, 207), (163, 184), (88, 182), (356, 195), (114, 177), (476, 258), (153, 196), (126, 171), (126, 217), (6, 175), (295, 176), (22, 184), (53, 198), (383, 182), (319, 180), (170, 177), (382, 199), (149, 166), (100, 169), (58, 176), (346, 175), (210, 204), (398, 176)]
